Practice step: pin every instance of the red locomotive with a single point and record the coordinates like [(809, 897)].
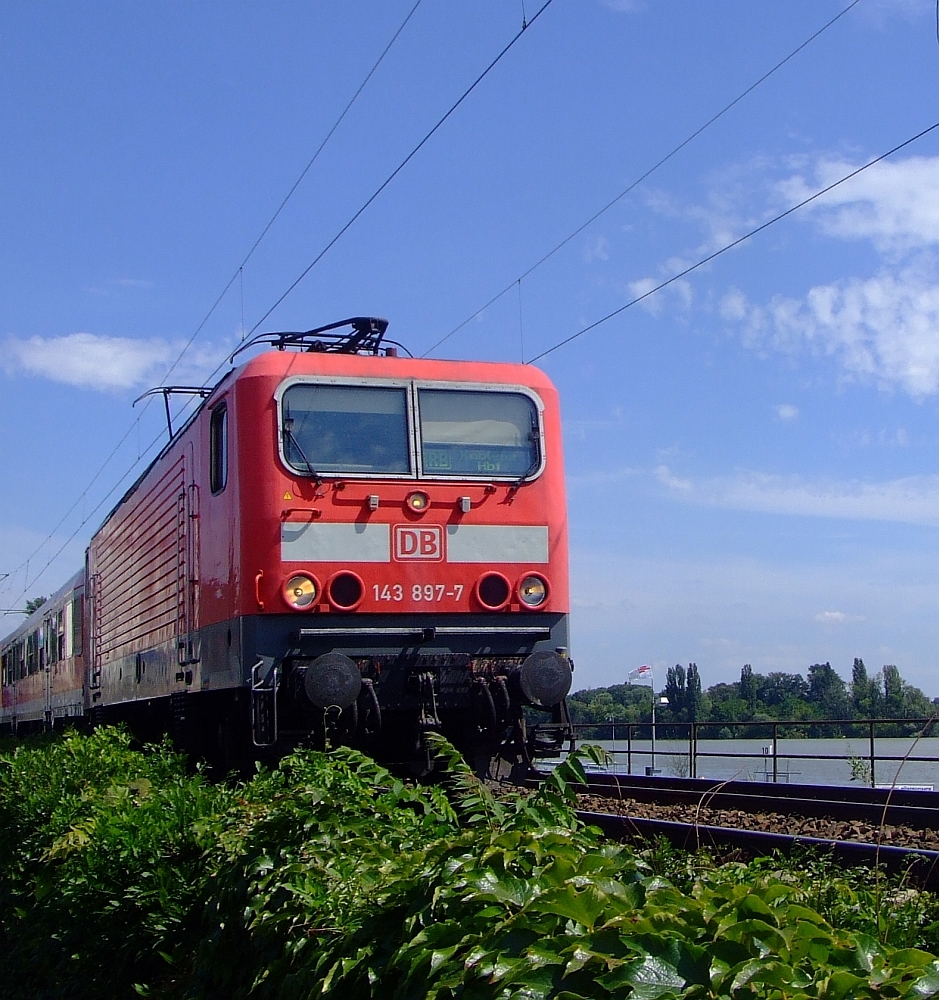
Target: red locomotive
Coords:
[(340, 540)]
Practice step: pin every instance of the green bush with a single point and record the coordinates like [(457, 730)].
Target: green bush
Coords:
[(126, 875)]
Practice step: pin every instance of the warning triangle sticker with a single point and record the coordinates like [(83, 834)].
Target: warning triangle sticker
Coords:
[(288, 495)]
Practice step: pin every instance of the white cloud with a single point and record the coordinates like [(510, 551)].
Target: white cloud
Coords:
[(885, 328), (642, 287), (597, 249), (680, 288), (120, 284), (90, 361), (665, 476), (785, 411), (912, 500), (625, 6), (836, 618), (895, 204)]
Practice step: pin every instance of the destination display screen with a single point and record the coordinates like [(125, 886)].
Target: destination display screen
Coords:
[(475, 433)]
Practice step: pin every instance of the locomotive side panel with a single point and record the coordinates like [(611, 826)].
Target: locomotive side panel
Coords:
[(143, 567), (220, 665)]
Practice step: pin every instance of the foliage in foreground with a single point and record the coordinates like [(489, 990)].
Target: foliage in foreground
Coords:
[(125, 875)]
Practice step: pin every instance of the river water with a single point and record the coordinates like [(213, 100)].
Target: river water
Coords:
[(845, 761)]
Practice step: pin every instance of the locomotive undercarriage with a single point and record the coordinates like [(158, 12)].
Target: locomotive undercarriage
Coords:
[(384, 697), (259, 686), (476, 702)]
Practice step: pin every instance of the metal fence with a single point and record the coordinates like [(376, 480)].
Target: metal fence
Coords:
[(866, 765)]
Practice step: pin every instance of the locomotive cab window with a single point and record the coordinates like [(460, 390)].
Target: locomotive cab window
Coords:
[(351, 429), (218, 448), (478, 433)]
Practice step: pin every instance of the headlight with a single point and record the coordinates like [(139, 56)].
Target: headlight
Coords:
[(533, 591), (418, 501), (300, 591)]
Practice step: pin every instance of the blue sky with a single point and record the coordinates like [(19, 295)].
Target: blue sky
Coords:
[(751, 453)]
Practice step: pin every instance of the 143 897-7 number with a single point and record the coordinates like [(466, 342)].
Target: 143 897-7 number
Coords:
[(419, 592)]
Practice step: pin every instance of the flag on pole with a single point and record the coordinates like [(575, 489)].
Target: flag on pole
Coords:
[(642, 672)]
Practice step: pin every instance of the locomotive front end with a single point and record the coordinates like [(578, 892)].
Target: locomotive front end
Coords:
[(404, 554)]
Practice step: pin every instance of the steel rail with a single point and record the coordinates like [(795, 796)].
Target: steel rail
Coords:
[(894, 806), (921, 863)]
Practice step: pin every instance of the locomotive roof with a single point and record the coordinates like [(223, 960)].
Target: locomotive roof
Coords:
[(285, 364)]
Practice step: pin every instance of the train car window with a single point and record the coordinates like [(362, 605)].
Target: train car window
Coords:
[(51, 636), (218, 448), (32, 653), (60, 646), (77, 609), (346, 429), (471, 433)]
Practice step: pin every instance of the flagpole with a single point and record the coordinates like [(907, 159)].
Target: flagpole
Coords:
[(640, 673), (652, 678)]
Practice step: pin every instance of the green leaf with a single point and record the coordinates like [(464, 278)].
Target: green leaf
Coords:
[(928, 984), (584, 906), (753, 905), (867, 953), (439, 956), (652, 977), (757, 935), (844, 984), (744, 973)]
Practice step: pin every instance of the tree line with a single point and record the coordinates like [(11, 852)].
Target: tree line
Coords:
[(821, 694)]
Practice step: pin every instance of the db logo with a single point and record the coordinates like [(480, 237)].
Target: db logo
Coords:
[(418, 543)]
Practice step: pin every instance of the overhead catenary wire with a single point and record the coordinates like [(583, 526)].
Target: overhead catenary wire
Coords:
[(453, 107), (634, 184), (293, 188), (86, 517), (734, 243), (397, 170), (25, 564), (231, 281), (238, 274), (372, 198)]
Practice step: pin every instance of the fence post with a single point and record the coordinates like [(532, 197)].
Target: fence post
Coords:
[(691, 773), (775, 752), (872, 758), (629, 748)]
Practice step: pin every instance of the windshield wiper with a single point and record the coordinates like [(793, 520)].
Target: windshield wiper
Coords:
[(290, 437), (535, 438)]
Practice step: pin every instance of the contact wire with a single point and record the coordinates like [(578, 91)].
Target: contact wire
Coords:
[(593, 218), (732, 244)]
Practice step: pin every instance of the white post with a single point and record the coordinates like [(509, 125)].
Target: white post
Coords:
[(653, 724), (639, 673)]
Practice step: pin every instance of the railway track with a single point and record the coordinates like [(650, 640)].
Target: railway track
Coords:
[(898, 829)]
